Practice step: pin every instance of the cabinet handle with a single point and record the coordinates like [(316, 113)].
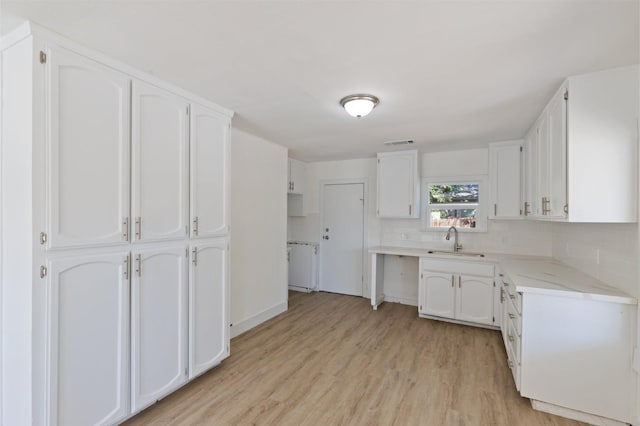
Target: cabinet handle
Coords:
[(125, 231), (501, 295), (409, 209), (125, 271), (510, 364), (138, 226), (527, 208), (452, 282), (495, 209), (511, 338), (511, 315), (195, 226), (293, 186), (194, 257), (512, 296), (139, 265)]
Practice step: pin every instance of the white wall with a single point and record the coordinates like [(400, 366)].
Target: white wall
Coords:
[(608, 251), (258, 231)]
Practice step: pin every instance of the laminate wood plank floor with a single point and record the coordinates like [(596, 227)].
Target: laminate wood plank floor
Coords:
[(332, 360)]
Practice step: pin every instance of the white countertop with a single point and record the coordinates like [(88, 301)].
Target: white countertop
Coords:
[(531, 274)]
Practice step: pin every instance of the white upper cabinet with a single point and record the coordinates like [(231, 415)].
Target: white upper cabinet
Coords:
[(160, 159), (159, 317), (530, 164), (297, 170), (88, 152), (584, 147), (398, 194), (210, 159), (505, 170), (208, 302), (88, 340)]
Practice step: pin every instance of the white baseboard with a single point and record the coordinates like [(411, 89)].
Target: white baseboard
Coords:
[(574, 414), (247, 324), (401, 300)]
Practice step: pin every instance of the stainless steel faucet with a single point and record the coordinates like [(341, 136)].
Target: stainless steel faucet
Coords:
[(456, 246)]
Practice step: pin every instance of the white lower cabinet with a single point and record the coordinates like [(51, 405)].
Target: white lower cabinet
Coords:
[(88, 339), (158, 323), (208, 302), (457, 290)]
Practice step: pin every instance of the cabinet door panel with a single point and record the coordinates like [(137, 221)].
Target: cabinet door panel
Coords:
[(208, 307), (88, 151), (296, 176), (160, 164), (396, 186), (158, 324), (209, 173), (439, 295), (505, 180), (557, 155), (542, 139), (88, 323), (475, 299)]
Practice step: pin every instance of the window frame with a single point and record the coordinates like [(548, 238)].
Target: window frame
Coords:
[(481, 207)]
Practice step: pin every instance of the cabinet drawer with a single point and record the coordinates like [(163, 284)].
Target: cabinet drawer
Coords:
[(513, 342), (514, 366), (457, 266), (514, 316), (511, 293)]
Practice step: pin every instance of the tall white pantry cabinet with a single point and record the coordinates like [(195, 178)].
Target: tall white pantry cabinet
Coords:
[(115, 235)]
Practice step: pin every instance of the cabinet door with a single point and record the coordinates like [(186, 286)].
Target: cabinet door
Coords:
[(208, 306), (438, 295), (160, 163), (474, 302), (158, 324), (88, 152), (397, 185), (88, 323), (557, 155), (209, 173), (542, 141), (505, 174), (296, 177), (530, 206)]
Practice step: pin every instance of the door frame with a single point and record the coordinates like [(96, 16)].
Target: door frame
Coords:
[(365, 209)]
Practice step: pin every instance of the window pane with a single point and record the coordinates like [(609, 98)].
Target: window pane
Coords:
[(460, 218), (449, 193)]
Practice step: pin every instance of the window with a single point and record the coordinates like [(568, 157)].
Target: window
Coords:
[(455, 202)]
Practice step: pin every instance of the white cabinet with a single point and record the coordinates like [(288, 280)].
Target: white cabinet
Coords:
[(583, 147), (457, 290), (87, 363), (398, 184), (505, 173), (160, 163), (530, 164), (159, 303), (210, 159), (437, 294), (88, 145), (70, 119), (297, 170), (208, 306)]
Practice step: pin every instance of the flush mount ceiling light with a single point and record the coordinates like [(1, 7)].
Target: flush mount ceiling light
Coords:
[(359, 105)]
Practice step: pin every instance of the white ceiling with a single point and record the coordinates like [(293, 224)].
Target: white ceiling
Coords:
[(449, 74)]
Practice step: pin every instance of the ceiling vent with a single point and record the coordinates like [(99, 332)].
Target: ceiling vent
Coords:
[(392, 143)]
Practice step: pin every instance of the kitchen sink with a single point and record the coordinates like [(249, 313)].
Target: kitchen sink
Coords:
[(468, 253)]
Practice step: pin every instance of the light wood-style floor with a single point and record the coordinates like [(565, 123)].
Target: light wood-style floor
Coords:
[(331, 360)]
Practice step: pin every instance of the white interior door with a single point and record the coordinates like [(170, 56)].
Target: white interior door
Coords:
[(88, 152), (209, 173), (88, 323), (160, 161), (208, 306), (343, 238), (158, 324)]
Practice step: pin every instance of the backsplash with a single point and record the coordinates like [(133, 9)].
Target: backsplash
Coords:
[(607, 251)]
